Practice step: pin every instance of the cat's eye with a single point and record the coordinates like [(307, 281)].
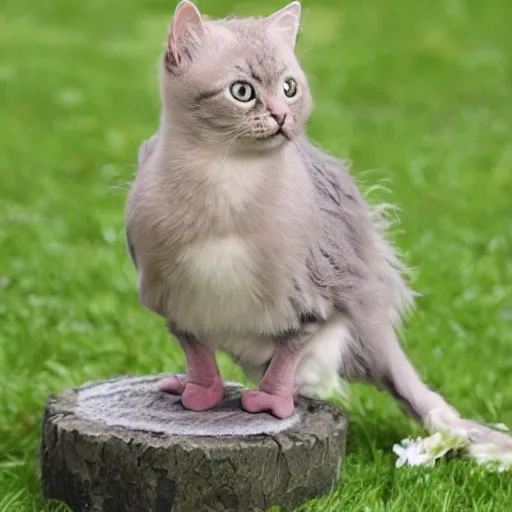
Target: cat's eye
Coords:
[(242, 91), (290, 87)]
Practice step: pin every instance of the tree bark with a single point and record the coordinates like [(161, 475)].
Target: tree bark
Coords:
[(123, 446)]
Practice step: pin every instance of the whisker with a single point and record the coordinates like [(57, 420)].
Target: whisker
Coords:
[(229, 145)]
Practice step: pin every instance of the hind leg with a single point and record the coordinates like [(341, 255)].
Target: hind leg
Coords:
[(275, 393), (202, 388), (388, 366)]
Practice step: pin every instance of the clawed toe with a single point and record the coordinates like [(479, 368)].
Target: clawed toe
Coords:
[(174, 385), (257, 400)]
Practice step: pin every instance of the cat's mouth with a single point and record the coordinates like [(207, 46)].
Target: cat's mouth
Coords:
[(279, 132), (274, 136)]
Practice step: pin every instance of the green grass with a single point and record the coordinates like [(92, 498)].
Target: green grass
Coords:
[(416, 95)]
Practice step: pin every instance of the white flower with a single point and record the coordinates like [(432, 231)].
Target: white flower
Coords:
[(425, 451)]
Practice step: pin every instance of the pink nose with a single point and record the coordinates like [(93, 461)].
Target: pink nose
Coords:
[(276, 110), (279, 117)]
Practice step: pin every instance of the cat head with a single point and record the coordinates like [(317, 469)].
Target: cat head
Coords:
[(235, 81)]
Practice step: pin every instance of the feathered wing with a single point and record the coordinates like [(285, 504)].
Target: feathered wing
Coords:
[(146, 149)]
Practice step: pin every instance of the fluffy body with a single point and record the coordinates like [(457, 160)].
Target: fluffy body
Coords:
[(249, 239), (243, 258)]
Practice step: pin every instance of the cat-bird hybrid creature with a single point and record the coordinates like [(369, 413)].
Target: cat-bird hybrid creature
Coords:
[(249, 239)]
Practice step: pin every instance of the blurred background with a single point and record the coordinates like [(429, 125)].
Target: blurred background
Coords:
[(418, 96)]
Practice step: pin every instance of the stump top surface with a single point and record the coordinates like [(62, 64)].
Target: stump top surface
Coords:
[(134, 408), (135, 403)]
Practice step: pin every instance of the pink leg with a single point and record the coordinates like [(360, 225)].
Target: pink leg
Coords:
[(202, 388), (275, 392)]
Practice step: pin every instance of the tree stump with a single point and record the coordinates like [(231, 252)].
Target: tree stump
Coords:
[(123, 446)]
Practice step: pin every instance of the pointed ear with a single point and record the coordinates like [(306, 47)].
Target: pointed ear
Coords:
[(185, 34), (287, 21)]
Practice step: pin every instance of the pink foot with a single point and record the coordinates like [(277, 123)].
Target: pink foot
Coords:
[(174, 385), (257, 400), (201, 398), (194, 397)]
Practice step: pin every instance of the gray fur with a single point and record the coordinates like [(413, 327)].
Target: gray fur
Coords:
[(309, 257)]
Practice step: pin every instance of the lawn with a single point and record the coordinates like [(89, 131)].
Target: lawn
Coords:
[(417, 95)]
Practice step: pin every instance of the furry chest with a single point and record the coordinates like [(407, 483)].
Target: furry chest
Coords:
[(220, 265), (220, 289), (233, 182)]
